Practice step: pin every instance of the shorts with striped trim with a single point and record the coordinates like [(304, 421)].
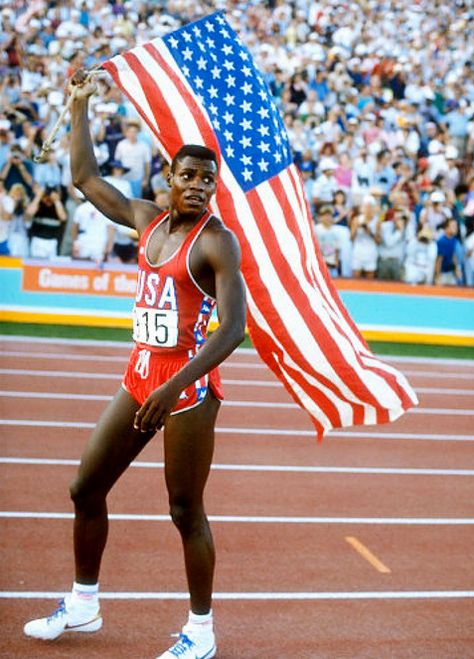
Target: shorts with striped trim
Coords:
[(147, 370)]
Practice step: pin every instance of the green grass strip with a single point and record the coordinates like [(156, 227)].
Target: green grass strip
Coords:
[(116, 334)]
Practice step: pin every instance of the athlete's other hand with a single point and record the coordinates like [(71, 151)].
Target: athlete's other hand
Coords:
[(152, 414)]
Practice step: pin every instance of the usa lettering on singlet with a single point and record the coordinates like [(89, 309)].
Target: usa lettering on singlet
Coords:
[(156, 324), (171, 310)]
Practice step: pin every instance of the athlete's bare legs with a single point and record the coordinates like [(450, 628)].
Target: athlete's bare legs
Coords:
[(189, 445)]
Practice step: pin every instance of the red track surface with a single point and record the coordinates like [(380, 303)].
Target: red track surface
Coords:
[(291, 586)]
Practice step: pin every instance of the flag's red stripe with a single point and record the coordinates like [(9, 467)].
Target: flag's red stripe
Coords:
[(207, 133), (266, 350), (390, 378), (259, 292), (324, 335), (333, 299), (114, 72)]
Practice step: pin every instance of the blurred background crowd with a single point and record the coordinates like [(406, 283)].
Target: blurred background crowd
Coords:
[(377, 97)]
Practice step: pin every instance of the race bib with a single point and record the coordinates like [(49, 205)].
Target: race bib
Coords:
[(155, 327)]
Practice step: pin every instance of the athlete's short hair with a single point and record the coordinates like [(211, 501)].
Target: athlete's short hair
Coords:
[(195, 151)]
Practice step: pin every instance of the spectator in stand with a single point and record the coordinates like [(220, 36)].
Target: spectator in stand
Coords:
[(457, 124), (469, 254), (5, 142), (110, 128), (363, 175), (124, 242), (48, 173), (364, 241), (136, 156), (342, 215), (18, 240), (17, 169), (452, 177), (448, 270), (325, 185), (391, 236), (330, 68), (6, 210), (384, 175), (328, 239), (435, 212), (420, 258), (343, 172), (92, 234), (48, 217)]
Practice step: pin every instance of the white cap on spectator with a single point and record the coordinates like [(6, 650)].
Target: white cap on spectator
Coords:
[(435, 147), (55, 98), (327, 164), (451, 152), (438, 197)]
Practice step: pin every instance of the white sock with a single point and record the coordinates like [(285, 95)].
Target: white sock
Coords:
[(85, 596), (200, 624)]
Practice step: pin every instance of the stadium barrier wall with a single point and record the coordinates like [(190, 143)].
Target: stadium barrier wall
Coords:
[(70, 292)]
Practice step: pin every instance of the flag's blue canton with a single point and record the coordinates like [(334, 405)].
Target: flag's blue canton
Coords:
[(220, 70)]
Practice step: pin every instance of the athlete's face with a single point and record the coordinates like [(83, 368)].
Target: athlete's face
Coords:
[(193, 183)]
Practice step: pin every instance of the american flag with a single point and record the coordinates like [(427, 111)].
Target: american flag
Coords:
[(199, 85)]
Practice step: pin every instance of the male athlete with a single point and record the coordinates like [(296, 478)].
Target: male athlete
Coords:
[(188, 262)]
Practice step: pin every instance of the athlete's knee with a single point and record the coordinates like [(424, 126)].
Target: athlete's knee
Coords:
[(187, 518), (86, 498)]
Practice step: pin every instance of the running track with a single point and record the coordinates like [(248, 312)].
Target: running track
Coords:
[(357, 547)]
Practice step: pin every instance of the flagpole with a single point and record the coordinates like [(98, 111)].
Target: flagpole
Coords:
[(46, 146)]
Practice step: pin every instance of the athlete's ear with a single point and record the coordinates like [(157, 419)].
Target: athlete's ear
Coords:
[(169, 176)]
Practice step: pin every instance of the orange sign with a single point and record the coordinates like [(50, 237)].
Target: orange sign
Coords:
[(52, 278)]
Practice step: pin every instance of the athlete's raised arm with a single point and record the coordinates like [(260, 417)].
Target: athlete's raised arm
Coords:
[(134, 213)]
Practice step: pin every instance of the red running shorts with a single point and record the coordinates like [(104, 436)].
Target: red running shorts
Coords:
[(147, 370)]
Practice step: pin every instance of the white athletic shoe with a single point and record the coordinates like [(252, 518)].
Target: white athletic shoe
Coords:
[(191, 648), (62, 620)]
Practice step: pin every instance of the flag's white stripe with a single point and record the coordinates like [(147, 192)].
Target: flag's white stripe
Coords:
[(290, 251), (345, 411), (130, 81), (185, 120), (282, 301), (308, 403), (291, 176), (375, 383), (339, 320)]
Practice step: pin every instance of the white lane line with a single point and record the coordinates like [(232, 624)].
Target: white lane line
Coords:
[(262, 519), (230, 363), (227, 403), (66, 356), (272, 595), (239, 351), (52, 395), (376, 435), (399, 471), (60, 374), (73, 356), (7, 338), (119, 374), (443, 392), (440, 375)]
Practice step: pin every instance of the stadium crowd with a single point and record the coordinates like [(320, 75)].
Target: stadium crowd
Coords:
[(377, 97)]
